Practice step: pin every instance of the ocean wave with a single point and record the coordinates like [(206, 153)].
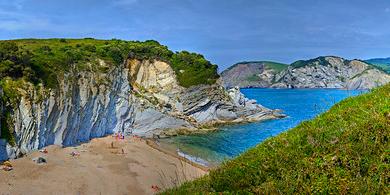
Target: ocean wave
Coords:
[(193, 159)]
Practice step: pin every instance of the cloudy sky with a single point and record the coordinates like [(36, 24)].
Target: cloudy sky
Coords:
[(225, 31)]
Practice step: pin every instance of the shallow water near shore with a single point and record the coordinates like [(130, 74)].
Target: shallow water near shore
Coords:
[(298, 104)]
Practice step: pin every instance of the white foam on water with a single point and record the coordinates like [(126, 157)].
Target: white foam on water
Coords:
[(193, 159)]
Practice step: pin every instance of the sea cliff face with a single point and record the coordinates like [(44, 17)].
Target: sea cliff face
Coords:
[(332, 72), (322, 72), (140, 97)]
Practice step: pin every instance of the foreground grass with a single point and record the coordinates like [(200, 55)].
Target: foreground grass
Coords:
[(345, 150)]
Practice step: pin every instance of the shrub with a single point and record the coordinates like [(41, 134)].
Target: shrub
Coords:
[(193, 69)]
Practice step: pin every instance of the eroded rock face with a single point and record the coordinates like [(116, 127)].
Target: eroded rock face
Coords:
[(368, 79), (333, 72), (86, 105), (153, 76), (249, 74), (138, 97), (322, 72)]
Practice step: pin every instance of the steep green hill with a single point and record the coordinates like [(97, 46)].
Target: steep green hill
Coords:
[(44, 60), (345, 150), (278, 67), (382, 63)]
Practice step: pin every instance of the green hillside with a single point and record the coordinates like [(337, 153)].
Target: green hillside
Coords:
[(381, 63), (384, 67), (278, 67), (43, 60), (345, 150)]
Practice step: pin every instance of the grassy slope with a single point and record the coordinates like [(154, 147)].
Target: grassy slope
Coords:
[(343, 150), (384, 67), (278, 67), (381, 63)]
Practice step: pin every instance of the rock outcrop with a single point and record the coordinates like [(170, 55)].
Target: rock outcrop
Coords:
[(140, 97), (332, 72), (322, 72)]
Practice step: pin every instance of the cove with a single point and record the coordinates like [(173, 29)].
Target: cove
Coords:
[(229, 141)]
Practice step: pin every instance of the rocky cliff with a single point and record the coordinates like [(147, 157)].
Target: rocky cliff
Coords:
[(140, 97), (252, 74), (322, 72)]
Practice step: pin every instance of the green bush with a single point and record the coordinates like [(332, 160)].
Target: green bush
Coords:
[(193, 69)]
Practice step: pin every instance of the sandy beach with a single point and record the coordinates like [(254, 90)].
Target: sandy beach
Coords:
[(131, 166)]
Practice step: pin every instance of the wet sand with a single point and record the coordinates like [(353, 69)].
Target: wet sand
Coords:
[(99, 169)]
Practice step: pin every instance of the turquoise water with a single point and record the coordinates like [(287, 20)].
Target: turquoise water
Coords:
[(299, 104)]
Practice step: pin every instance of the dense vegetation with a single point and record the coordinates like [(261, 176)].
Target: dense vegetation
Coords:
[(345, 150), (193, 69), (43, 61)]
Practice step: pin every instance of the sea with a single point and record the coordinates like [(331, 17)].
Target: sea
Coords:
[(213, 148)]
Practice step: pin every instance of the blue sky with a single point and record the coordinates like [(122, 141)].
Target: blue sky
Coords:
[(225, 31)]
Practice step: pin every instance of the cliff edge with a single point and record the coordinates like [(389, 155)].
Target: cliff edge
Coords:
[(141, 95)]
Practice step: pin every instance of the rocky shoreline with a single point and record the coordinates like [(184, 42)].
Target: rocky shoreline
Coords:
[(139, 97), (154, 144)]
